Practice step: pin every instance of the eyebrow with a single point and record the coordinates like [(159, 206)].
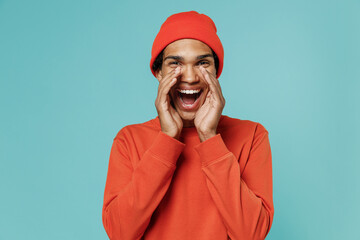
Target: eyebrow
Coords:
[(182, 59), (204, 56), (174, 57)]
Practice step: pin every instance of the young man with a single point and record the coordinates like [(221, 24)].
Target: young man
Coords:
[(191, 172)]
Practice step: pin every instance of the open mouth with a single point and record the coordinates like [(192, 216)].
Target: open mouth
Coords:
[(188, 99)]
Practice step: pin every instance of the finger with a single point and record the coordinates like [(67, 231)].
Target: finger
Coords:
[(165, 113), (162, 99), (164, 96), (215, 81), (217, 84), (167, 84), (214, 88), (168, 78), (161, 78), (170, 74), (175, 115), (207, 100), (204, 109)]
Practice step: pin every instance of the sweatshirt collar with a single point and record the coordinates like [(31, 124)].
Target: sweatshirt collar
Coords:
[(186, 131)]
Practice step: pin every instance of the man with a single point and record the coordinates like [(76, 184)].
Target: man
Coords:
[(191, 172)]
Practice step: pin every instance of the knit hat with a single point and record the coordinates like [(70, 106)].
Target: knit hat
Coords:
[(188, 25)]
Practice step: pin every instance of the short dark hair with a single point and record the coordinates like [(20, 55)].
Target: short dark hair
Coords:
[(159, 60)]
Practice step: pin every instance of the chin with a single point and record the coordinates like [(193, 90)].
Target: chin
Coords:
[(189, 116)]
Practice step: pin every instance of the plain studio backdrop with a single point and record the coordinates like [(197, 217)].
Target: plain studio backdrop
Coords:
[(73, 73)]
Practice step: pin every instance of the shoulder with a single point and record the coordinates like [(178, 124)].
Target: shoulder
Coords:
[(240, 134), (149, 127), (246, 127)]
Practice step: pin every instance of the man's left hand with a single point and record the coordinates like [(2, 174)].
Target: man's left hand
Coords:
[(208, 115)]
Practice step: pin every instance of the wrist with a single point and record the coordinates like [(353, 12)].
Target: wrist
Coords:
[(206, 135), (173, 135)]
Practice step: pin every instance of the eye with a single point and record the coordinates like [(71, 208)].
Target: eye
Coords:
[(174, 63), (203, 63)]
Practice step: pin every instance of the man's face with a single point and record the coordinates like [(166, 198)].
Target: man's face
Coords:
[(189, 54)]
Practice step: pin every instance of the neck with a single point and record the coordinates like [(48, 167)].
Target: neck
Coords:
[(188, 123)]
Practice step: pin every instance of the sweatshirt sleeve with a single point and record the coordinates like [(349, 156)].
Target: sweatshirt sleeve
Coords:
[(132, 195), (244, 200)]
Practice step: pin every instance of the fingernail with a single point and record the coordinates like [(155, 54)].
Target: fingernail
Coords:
[(177, 70)]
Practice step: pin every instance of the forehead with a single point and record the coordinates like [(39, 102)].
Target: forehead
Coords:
[(187, 48)]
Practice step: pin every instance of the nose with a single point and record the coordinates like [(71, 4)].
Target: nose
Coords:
[(189, 74)]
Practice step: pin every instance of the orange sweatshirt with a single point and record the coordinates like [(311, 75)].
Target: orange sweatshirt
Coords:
[(158, 187)]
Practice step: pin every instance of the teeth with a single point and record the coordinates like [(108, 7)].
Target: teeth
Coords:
[(189, 91)]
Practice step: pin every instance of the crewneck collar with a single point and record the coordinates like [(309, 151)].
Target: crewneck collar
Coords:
[(186, 131)]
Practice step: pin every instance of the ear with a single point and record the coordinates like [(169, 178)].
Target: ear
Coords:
[(158, 74)]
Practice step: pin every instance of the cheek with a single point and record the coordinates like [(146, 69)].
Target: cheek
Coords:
[(173, 94), (205, 93), (212, 70), (205, 84), (167, 69)]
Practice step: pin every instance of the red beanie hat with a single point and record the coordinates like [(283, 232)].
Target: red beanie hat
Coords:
[(188, 25)]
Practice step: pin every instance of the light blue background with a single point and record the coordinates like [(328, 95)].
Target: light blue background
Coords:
[(73, 73)]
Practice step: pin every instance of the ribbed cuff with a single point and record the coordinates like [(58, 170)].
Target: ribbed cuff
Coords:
[(166, 148), (211, 149)]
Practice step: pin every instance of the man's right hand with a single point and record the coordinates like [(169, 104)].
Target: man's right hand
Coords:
[(170, 120)]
